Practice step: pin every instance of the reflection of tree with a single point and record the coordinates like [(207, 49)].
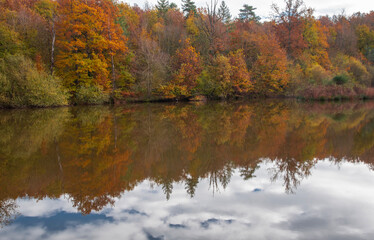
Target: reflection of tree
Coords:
[(86, 204), (191, 184), (220, 177), (7, 211), (292, 172), (93, 154), (167, 187), (248, 172)]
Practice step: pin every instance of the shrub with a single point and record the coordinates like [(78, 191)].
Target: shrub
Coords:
[(22, 85), (206, 85), (91, 95), (317, 74), (340, 79), (358, 71)]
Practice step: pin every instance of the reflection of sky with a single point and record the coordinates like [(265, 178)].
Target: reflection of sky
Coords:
[(333, 203)]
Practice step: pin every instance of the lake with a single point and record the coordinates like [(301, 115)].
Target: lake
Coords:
[(270, 169)]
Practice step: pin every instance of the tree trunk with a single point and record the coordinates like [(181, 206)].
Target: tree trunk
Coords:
[(53, 46)]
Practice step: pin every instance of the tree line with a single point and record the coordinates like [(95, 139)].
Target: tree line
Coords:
[(59, 52)]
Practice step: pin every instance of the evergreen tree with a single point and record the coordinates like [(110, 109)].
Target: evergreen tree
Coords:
[(224, 12), (162, 7), (188, 6), (247, 14), (173, 6)]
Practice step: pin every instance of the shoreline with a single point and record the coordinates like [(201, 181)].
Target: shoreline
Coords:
[(322, 99)]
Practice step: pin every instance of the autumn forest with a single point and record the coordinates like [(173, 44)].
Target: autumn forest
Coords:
[(62, 52)]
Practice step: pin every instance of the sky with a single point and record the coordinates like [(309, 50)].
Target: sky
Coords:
[(322, 7)]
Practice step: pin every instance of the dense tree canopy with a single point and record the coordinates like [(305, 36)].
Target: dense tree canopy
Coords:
[(101, 50)]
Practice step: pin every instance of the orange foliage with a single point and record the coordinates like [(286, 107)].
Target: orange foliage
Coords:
[(240, 78), (270, 68), (87, 37), (187, 67)]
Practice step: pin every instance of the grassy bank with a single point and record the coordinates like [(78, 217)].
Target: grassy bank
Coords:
[(335, 92)]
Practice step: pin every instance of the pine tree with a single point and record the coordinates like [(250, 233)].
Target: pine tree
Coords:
[(247, 14), (173, 6), (224, 12), (162, 7), (188, 6)]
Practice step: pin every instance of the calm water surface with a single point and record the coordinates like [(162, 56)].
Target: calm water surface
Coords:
[(260, 170)]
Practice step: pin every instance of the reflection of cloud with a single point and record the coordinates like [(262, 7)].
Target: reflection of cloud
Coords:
[(208, 222), (330, 204), (177, 225), (46, 207), (61, 221)]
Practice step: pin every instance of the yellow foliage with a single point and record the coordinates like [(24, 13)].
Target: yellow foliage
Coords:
[(191, 26), (317, 73)]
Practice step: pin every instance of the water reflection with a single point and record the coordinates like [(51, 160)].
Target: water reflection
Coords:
[(92, 155)]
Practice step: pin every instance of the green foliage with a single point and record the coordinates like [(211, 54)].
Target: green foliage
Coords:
[(9, 41), (46, 8), (247, 14), (126, 78), (365, 41), (228, 77), (224, 12), (91, 95), (21, 85), (340, 79), (162, 7), (206, 85), (317, 74), (358, 72), (188, 7)]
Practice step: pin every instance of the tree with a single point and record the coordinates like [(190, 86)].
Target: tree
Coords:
[(247, 14), (10, 41), (241, 82), (221, 73), (345, 36), (114, 34), (87, 40), (172, 32), (129, 20), (213, 30), (269, 70), (316, 41), (162, 7), (48, 10), (366, 41), (152, 64), (290, 26), (173, 6), (23, 85), (187, 67), (224, 12), (229, 76), (188, 7)]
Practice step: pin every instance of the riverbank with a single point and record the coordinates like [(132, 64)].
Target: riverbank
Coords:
[(334, 92), (312, 95)]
